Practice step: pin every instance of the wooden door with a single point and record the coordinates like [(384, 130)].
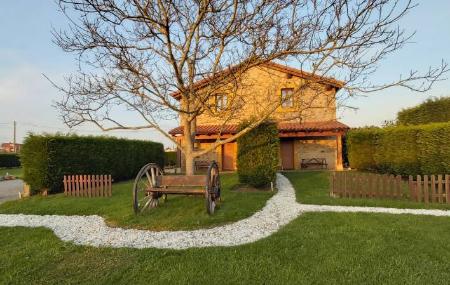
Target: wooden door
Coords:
[(229, 156), (287, 154)]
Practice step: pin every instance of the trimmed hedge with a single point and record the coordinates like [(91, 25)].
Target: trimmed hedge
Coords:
[(170, 158), (46, 158), (361, 147), (9, 160), (405, 150), (431, 111), (258, 155)]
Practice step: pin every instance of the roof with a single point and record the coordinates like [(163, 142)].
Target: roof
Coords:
[(282, 128), (275, 66)]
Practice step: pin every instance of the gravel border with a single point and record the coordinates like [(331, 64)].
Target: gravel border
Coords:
[(279, 210), (92, 230)]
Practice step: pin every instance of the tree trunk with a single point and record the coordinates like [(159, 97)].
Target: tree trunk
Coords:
[(189, 129), (189, 164), (189, 139)]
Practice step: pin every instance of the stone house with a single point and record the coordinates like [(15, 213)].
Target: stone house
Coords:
[(306, 117)]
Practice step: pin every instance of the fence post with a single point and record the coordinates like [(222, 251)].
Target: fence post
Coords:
[(344, 185), (419, 189), (433, 188), (447, 187), (426, 188), (69, 189), (97, 185), (410, 187), (399, 187), (440, 188), (110, 185)]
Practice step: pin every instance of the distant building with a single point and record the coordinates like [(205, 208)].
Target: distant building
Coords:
[(170, 149), (9, 147)]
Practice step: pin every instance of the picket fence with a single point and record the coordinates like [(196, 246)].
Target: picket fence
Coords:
[(88, 185), (425, 188)]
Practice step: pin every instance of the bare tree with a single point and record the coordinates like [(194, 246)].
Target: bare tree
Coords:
[(145, 56)]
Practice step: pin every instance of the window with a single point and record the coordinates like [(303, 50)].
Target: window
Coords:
[(221, 102), (287, 100)]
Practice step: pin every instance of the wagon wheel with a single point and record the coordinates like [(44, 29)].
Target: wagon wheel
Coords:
[(145, 179), (212, 193)]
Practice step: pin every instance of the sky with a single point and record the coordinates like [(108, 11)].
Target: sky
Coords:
[(27, 52)]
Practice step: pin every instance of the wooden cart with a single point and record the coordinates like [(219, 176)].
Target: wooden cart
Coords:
[(151, 184)]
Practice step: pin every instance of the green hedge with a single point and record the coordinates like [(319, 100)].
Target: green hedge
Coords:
[(46, 159), (258, 155), (361, 148), (396, 150), (170, 158), (9, 160), (431, 111), (405, 150)]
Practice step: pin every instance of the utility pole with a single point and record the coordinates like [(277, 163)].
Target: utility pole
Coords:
[(14, 142)]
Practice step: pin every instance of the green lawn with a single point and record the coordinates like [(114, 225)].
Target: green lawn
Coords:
[(18, 172), (312, 187), (316, 248), (179, 212)]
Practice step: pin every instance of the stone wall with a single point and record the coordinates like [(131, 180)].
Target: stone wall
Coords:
[(316, 148), (260, 89)]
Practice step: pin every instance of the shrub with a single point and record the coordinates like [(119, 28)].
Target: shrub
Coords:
[(396, 150), (405, 150), (361, 145), (170, 158), (430, 111), (9, 160), (434, 148), (46, 159), (258, 155)]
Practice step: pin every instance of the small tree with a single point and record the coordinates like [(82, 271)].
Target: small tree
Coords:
[(258, 155), (137, 55)]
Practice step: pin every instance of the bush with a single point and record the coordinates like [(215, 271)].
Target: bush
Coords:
[(361, 145), (258, 155), (46, 159), (396, 150), (405, 150), (433, 143), (170, 158), (9, 160), (431, 111)]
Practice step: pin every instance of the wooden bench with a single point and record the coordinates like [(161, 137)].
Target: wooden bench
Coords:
[(151, 184), (201, 164), (307, 162)]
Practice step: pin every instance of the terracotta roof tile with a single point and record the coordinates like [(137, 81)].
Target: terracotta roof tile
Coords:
[(282, 127)]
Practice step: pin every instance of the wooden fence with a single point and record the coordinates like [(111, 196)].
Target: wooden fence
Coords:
[(88, 185), (426, 188)]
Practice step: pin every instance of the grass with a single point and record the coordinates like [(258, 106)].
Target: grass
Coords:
[(312, 187), (179, 212), (18, 172), (316, 248)]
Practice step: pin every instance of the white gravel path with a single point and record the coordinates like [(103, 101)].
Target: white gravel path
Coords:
[(279, 210), (92, 230)]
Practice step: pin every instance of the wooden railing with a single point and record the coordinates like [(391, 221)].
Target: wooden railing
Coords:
[(87, 185), (426, 188)]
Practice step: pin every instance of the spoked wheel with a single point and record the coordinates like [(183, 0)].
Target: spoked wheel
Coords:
[(145, 179), (212, 194)]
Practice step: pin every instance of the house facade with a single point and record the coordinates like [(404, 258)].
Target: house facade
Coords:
[(306, 117), (10, 147)]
